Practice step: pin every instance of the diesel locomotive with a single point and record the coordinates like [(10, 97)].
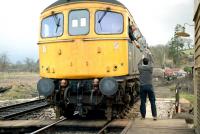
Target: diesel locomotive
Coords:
[(88, 53)]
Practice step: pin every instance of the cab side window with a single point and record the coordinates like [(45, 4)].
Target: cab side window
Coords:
[(130, 31)]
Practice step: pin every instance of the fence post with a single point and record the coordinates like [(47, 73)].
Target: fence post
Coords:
[(177, 97)]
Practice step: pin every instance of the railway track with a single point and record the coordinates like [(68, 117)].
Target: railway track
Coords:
[(122, 127), (115, 126), (13, 111), (48, 126), (66, 126)]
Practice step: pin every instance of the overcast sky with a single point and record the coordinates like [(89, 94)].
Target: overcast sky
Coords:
[(156, 19)]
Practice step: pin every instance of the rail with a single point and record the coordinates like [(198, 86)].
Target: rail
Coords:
[(104, 128), (122, 129), (48, 126)]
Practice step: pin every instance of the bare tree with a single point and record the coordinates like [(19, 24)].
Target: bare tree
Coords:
[(4, 62), (31, 65), (160, 54)]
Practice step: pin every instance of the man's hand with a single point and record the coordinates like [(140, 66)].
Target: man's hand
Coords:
[(148, 51)]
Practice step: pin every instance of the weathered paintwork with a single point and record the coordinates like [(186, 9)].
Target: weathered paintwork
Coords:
[(91, 55)]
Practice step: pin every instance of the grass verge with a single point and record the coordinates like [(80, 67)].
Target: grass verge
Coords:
[(23, 85), (188, 96)]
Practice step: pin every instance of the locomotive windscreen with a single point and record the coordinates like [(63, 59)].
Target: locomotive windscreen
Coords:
[(111, 22)]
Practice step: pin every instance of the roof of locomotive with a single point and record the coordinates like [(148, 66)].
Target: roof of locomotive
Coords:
[(59, 2)]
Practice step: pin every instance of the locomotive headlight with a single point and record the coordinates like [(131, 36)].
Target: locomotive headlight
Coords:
[(45, 87), (108, 86)]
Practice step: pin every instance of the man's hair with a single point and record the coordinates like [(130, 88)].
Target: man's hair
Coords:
[(145, 61)]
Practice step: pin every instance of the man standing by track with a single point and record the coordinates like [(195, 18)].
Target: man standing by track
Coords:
[(145, 67)]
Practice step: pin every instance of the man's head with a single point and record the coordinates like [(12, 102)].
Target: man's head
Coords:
[(145, 61)]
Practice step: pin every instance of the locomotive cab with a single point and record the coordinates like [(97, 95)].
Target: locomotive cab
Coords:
[(87, 60)]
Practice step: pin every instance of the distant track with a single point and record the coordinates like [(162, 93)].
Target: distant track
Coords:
[(10, 112)]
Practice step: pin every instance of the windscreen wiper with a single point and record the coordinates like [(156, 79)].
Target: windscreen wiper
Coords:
[(57, 21), (104, 14)]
